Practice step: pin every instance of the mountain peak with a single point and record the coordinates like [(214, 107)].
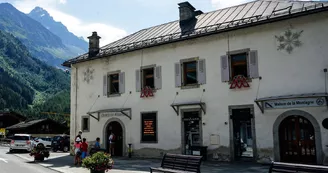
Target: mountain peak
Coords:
[(6, 4), (39, 11)]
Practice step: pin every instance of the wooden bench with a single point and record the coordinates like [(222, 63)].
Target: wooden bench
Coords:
[(177, 163), (291, 168)]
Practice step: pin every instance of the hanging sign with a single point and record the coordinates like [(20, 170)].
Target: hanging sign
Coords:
[(110, 114), (2, 131), (293, 103)]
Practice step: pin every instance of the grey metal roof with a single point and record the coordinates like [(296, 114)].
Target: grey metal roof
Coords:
[(292, 96), (235, 17), (25, 124)]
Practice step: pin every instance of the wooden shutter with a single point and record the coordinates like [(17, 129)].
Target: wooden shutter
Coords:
[(201, 71), (158, 77), (138, 81), (105, 85), (253, 64), (225, 70), (122, 82), (177, 72)]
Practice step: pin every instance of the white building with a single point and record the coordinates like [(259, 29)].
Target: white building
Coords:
[(280, 113)]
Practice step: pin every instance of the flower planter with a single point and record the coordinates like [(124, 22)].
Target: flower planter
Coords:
[(95, 171)]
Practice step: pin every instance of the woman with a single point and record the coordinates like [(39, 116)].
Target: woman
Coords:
[(77, 151)]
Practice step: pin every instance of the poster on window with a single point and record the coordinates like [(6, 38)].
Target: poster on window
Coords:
[(149, 133)]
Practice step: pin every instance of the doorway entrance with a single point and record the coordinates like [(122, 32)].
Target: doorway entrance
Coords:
[(117, 129), (242, 133), (192, 131), (297, 140)]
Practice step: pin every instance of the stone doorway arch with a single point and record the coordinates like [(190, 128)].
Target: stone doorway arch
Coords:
[(317, 132), (106, 134)]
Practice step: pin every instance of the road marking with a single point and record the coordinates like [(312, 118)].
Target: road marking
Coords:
[(4, 160)]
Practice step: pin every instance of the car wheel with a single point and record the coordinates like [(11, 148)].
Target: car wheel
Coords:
[(65, 149), (40, 145)]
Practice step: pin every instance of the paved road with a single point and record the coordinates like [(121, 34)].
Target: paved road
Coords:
[(9, 163)]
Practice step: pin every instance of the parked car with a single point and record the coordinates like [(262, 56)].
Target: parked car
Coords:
[(21, 142), (43, 141), (61, 143)]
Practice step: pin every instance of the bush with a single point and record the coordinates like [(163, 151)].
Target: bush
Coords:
[(99, 161)]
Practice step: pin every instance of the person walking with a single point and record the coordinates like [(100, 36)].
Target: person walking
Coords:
[(84, 148), (77, 151), (111, 143)]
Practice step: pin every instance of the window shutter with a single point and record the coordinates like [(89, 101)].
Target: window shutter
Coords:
[(158, 77), (201, 72), (225, 70), (177, 70), (122, 82), (138, 82), (105, 84), (253, 64)]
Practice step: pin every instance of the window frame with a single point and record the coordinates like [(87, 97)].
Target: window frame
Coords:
[(117, 72), (141, 129), (142, 82), (82, 123), (182, 64), (237, 52)]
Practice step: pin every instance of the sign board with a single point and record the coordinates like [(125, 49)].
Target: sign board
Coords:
[(149, 126), (2, 131), (110, 114), (293, 103)]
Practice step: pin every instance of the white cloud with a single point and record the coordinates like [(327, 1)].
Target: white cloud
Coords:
[(226, 3), (75, 25)]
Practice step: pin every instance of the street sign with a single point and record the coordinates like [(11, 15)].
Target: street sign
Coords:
[(2, 131)]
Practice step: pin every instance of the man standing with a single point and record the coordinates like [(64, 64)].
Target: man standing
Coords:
[(111, 143)]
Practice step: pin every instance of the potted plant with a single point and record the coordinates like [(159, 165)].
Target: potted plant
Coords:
[(98, 163), (39, 152)]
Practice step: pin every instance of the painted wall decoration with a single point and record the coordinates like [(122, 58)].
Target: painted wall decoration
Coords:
[(88, 74), (289, 40)]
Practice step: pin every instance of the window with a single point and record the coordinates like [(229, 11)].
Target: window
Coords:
[(241, 62), (190, 73), (85, 124), (149, 127), (1, 124), (114, 83), (148, 78), (238, 65)]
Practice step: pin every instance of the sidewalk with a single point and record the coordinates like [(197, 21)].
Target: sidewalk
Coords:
[(63, 162)]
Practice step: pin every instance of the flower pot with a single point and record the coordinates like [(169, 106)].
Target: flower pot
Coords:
[(95, 171)]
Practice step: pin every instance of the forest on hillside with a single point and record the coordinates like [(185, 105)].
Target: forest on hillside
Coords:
[(28, 85)]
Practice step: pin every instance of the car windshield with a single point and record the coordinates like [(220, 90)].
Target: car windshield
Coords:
[(23, 138), (56, 138)]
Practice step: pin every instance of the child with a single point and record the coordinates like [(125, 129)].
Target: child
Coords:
[(77, 145), (97, 145), (84, 148)]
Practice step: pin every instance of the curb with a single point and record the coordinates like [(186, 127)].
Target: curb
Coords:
[(22, 157)]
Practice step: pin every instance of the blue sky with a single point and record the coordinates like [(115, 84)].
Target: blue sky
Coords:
[(114, 19)]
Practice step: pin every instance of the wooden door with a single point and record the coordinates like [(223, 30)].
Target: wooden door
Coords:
[(297, 141)]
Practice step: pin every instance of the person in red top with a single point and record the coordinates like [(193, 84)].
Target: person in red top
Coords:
[(84, 148)]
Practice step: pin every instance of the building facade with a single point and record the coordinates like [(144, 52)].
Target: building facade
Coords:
[(254, 87)]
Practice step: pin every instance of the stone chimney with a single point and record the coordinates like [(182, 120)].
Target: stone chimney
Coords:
[(187, 11), (93, 44)]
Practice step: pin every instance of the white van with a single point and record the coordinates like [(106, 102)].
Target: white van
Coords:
[(21, 142)]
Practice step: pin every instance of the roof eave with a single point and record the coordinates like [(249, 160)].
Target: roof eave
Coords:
[(276, 19)]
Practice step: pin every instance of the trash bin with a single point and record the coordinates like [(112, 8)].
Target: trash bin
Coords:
[(199, 151)]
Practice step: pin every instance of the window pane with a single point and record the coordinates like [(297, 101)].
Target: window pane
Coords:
[(114, 84), (239, 65), (148, 77), (190, 73), (85, 123)]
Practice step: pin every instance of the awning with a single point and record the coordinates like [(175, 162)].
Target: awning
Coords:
[(124, 111), (176, 106), (296, 100)]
